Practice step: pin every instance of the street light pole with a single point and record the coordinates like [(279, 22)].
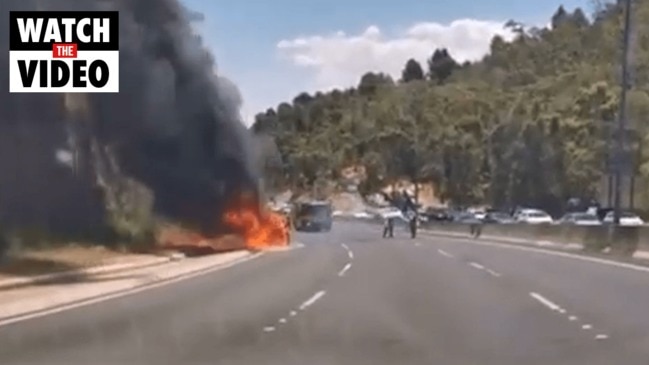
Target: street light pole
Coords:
[(621, 138)]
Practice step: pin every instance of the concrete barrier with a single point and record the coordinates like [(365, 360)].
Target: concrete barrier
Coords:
[(619, 240), (624, 241), (643, 239)]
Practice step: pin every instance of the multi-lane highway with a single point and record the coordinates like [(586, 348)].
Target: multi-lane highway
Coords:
[(350, 297)]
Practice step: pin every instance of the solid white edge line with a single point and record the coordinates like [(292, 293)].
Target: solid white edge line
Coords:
[(596, 260), (344, 269), (313, 299), (546, 302), (119, 294)]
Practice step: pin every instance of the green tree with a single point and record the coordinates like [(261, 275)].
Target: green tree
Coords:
[(441, 66), (412, 71), (528, 124)]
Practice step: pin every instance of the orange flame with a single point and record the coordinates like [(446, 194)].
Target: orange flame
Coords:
[(259, 227), (252, 227)]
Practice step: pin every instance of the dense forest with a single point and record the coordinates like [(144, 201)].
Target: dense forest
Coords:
[(530, 123)]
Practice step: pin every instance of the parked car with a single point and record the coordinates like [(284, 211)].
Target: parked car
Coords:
[(580, 219), (533, 216), (437, 214), (466, 218), (498, 218), (626, 219), (602, 212), (479, 213)]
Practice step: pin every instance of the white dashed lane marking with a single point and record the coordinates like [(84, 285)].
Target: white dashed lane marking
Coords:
[(349, 251), (494, 273), (477, 265), (313, 299), (317, 296), (546, 302), (444, 253), (488, 270), (344, 269), (555, 307), (293, 313)]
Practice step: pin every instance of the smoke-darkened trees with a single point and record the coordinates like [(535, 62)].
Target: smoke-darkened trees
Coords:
[(170, 144)]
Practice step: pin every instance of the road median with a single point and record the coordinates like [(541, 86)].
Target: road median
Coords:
[(23, 281), (52, 296), (605, 239)]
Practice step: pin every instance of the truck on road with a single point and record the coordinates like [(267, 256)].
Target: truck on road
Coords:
[(313, 216)]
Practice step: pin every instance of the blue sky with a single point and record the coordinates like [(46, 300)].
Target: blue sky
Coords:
[(244, 37)]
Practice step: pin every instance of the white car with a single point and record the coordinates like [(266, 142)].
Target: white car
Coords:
[(580, 219), (480, 215), (533, 216), (626, 219), (390, 213), (364, 215)]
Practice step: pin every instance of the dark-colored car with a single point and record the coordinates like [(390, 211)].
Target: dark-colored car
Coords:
[(495, 217), (602, 212), (466, 218), (438, 215), (314, 216)]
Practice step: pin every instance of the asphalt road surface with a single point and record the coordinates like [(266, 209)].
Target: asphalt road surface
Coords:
[(350, 297)]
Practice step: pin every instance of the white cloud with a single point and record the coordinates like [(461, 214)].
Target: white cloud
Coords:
[(339, 60)]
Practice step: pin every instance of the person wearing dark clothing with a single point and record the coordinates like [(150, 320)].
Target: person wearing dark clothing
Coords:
[(388, 227), (476, 229), (413, 226)]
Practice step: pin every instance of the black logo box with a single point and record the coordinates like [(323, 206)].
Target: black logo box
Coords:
[(16, 44)]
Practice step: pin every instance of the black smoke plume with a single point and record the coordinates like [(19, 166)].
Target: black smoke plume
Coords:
[(174, 127)]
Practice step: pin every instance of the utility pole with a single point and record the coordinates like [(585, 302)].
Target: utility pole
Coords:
[(621, 137)]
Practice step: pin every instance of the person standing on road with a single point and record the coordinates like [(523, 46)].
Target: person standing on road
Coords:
[(476, 227), (288, 226), (413, 226), (388, 227)]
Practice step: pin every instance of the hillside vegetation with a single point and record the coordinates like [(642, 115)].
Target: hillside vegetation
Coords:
[(528, 124)]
